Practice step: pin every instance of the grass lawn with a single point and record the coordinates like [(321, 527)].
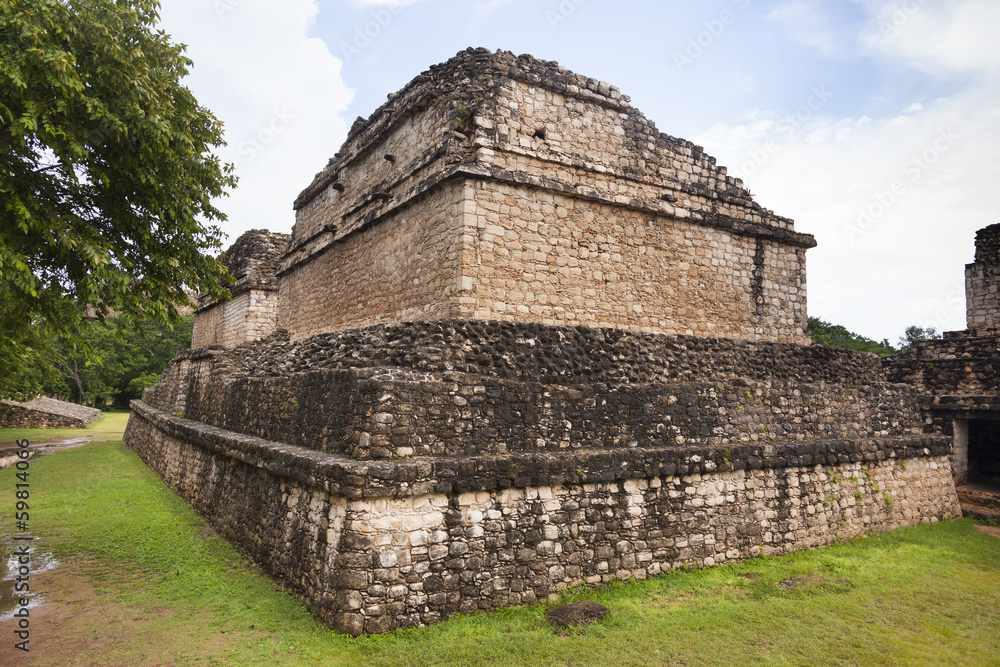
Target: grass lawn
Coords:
[(143, 581), (109, 427)]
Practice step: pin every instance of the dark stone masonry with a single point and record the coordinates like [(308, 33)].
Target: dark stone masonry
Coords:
[(44, 412), (959, 376), (521, 341)]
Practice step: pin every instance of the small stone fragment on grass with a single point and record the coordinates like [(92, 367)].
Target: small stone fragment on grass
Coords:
[(578, 613)]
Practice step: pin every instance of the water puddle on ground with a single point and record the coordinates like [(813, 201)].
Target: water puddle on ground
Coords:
[(10, 598), (8, 450)]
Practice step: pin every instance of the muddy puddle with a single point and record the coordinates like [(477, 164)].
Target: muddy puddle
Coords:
[(13, 577)]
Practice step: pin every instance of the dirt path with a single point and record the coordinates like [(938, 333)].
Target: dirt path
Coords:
[(78, 624), (989, 530)]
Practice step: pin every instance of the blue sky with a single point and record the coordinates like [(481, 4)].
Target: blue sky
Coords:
[(872, 123)]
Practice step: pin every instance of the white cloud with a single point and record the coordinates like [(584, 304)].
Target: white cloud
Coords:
[(895, 202), (808, 24), (939, 38), (278, 91)]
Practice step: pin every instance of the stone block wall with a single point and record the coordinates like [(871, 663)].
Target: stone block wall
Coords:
[(372, 546), (506, 188), (958, 380), (404, 268), (982, 296), (250, 315), (394, 475), (46, 412), (982, 282), (468, 387), (562, 260), (961, 363)]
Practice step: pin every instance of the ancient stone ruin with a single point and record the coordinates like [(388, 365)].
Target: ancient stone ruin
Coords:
[(959, 377), (44, 412), (252, 312), (522, 341)]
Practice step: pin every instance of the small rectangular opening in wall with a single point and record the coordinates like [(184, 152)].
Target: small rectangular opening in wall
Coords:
[(984, 451)]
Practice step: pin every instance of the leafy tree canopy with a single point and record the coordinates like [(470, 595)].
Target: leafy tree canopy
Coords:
[(837, 336), (106, 174), (914, 334), (119, 362)]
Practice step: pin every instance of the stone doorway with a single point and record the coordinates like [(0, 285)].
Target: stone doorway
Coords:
[(977, 458), (984, 452)]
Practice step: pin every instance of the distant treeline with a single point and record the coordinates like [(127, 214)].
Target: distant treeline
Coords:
[(838, 336), (114, 363)]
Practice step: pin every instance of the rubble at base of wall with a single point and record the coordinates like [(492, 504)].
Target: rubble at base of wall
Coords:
[(371, 546)]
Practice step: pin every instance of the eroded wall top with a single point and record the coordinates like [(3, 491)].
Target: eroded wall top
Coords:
[(982, 282), (518, 119)]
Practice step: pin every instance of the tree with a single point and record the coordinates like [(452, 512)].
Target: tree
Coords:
[(106, 175), (119, 362), (21, 341), (914, 334), (838, 336)]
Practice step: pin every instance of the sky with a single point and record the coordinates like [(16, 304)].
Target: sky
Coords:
[(874, 124)]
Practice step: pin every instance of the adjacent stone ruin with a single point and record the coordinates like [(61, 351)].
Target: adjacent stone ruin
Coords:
[(44, 412), (959, 375), (253, 311), (523, 342)]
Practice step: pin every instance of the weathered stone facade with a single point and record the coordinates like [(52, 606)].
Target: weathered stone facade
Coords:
[(253, 311), (395, 475), (982, 282), (524, 341), (503, 188), (44, 412), (465, 387), (371, 546)]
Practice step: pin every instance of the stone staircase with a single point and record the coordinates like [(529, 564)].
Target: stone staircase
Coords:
[(981, 501)]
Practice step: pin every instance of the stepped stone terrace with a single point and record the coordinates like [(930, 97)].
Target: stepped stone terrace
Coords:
[(519, 340)]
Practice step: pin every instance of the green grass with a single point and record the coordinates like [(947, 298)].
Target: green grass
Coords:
[(919, 596), (110, 426)]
